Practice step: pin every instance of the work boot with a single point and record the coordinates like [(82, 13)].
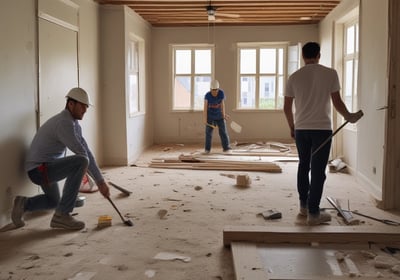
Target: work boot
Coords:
[(66, 221), (303, 211), (18, 211), (319, 218)]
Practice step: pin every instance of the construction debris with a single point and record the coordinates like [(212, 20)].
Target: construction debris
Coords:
[(167, 256), (337, 165), (242, 179), (214, 163), (271, 214)]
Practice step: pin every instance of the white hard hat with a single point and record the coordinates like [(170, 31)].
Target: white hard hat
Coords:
[(214, 84), (79, 95)]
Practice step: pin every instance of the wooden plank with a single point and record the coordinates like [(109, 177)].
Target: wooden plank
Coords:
[(307, 234), (246, 262), (249, 264), (247, 167)]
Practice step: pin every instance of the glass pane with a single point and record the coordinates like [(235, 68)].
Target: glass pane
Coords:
[(280, 61), (247, 61), (355, 107), (267, 92), (350, 40), (279, 104), (268, 61), (183, 62), (133, 94), (202, 61), (356, 37), (182, 92), (348, 89), (201, 87), (247, 92)]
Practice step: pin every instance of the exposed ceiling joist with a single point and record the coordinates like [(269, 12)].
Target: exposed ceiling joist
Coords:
[(228, 12)]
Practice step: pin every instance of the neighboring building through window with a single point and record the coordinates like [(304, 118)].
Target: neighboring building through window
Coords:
[(262, 74), (193, 69), (350, 65)]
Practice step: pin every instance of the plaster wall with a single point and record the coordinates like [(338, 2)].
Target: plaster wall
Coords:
[(180, 127)]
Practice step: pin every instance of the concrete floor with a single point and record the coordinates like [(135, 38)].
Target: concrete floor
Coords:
[(196, 206)]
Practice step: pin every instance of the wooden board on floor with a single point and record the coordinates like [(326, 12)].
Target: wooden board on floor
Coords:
[(307, 234), (223, 163), (255, 261)]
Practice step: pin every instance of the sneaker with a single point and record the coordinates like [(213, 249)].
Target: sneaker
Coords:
[(206, 152), (317, 219), (66, 221), (18, 211), (303, 211), (228, 151)]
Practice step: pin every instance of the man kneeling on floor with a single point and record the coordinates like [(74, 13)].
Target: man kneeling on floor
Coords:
[(47, 164)]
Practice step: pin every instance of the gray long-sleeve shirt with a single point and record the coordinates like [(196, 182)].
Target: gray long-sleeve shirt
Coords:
[(57, 134)]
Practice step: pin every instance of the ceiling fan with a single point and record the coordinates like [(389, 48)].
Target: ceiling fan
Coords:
[(212, 13)]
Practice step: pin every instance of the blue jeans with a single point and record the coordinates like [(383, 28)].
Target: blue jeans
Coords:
[(307, 141), (71, 168), (223, 134)]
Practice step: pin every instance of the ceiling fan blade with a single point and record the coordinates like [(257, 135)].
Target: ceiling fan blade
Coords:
[(218, 14)]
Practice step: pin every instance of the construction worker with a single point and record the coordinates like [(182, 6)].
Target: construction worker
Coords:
[(47, 163), (214, 116), (311, 89)]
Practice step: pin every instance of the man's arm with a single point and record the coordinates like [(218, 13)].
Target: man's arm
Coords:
[(287, 108), (205, 111), (341, 108)]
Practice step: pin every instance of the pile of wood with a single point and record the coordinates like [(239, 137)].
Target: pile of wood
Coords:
[(218, 162)]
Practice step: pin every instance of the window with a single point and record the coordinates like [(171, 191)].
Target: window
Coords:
[(350, 65), (135, 84), (262, 75), (193, 69)]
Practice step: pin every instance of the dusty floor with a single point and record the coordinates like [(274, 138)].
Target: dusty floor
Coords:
[(198, 204)]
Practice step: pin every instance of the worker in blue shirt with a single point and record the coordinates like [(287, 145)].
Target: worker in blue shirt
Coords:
[(214, 116)]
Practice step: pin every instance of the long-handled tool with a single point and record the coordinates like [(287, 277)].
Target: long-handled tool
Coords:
[(121, 189), (126, 222), (333, 134), (385, 221)]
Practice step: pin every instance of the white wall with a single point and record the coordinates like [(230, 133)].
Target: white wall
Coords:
[(373, 87), (18, 87), (124, 137), (17, 100), (364, 149), (188, 126), (140, 126), (331, 38)]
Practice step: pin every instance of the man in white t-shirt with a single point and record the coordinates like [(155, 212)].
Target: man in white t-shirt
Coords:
[(311, 89)]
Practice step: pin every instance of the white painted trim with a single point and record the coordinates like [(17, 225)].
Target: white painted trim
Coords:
[(70, 3), (57, 21)]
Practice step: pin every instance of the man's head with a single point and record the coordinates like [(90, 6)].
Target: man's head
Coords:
[(311, 50), (77, 102)]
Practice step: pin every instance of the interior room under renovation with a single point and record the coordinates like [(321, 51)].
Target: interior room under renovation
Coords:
[(153, 199)]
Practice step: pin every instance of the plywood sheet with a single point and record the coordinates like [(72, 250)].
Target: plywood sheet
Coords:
[(300, 262), (306, 234)]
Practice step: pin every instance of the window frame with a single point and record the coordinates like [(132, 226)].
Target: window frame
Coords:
[(135, 66), (354, 58), (193, 75), (278, 85)]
